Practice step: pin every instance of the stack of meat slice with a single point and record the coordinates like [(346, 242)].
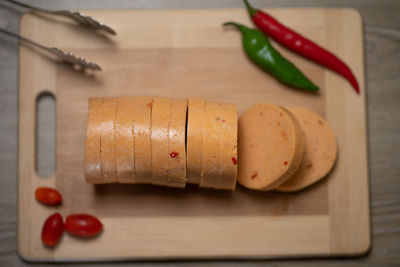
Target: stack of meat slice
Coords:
[(172, 142), (161, 141)]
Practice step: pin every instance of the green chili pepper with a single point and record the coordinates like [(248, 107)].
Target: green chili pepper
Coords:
[(259, 49)]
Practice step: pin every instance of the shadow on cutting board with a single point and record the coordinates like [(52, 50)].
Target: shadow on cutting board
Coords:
[(146, 200)]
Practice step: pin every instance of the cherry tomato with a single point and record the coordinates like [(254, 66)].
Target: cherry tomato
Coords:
[(53, 229), (83, 225), (48, 196)]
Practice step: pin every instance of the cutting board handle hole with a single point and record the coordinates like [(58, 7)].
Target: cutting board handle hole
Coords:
[(45, 134)]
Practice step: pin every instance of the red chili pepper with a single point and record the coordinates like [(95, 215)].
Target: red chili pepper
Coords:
[(52, 230), (234, 160), (173, 154), (83, 225), (300, 44), (48, 196)]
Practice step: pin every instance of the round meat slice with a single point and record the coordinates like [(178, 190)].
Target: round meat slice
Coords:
[(319, 154), (210, 152), (177, 153), (108, 155), (92, 151), (142, 135), (271, 146), (194, 146), (124, 140), (227, 159), (160, 119)]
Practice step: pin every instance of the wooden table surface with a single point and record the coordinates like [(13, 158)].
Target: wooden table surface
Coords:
[(382, 59)]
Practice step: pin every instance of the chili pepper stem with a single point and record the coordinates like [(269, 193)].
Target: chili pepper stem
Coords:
[(252, 10), (239, 26)]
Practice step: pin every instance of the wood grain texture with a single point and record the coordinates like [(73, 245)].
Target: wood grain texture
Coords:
[(381, 24)]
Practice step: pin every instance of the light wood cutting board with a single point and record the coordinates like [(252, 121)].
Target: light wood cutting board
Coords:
[(185, 53)]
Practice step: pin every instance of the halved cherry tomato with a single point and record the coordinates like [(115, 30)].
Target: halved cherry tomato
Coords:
[(83, 225), (52, 230), (48, 196)]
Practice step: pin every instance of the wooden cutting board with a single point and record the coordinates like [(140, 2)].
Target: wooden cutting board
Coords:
[(186, 53)]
